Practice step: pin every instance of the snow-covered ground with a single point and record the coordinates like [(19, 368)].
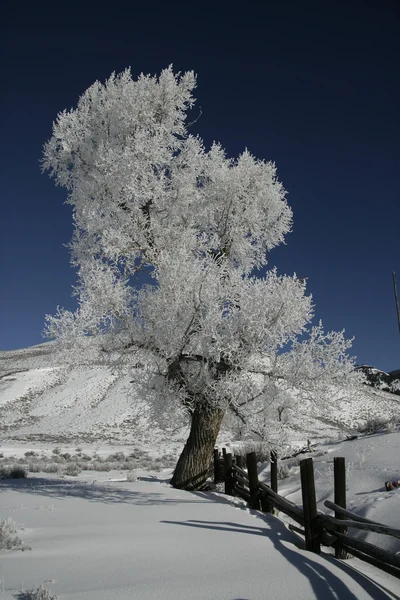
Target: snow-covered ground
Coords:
[(127, 534), (370, 461), (103, 539)]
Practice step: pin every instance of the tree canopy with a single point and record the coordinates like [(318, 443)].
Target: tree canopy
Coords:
[(147, 194)]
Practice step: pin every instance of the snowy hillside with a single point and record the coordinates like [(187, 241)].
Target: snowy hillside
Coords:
[(389, 382), (41, 399)]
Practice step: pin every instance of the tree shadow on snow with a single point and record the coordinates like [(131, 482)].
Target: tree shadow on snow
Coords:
[(324, 583), (105, 492)]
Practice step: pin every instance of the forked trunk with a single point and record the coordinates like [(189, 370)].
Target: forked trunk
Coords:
[(193, 464)]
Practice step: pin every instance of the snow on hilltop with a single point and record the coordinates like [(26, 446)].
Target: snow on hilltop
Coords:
[(42, 399), (389, 382)]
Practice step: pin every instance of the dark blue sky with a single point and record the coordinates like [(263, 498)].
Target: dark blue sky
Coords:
[(312, 85)]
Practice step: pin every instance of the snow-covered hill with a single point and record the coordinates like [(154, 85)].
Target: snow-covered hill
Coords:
[(389, 382), (41, 399)]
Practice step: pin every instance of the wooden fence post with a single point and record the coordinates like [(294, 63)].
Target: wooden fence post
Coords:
[(339, 472), (239, 461), (224, 452), (309, 505), (217, 467), (274, 471), (252, 471), (228, 474)]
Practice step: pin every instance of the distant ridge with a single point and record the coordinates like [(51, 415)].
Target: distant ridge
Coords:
[(387, 382)]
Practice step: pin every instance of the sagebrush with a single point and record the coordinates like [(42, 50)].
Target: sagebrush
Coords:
[(39, 593), (9, 538)]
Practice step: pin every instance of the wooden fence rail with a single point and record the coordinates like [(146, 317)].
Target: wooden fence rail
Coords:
[(318, 528), (276, 501), (334, 524)]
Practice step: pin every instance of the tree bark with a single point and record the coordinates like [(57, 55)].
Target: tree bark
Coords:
[(193, 464)]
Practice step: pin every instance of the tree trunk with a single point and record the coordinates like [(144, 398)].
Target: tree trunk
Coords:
[(193, 464)]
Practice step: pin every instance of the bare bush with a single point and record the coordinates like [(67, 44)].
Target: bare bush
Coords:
[(283, 471), (72, 470), (117, 456), (373, 425), (39, 593), (50, 468), (34, 467), (13, 472), (9, 539), (262, 449), (85, 457)]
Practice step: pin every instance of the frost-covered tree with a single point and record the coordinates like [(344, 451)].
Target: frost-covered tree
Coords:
[(148, 195)]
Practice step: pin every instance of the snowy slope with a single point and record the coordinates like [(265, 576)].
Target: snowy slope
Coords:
[(389, 382), (370, 461), (41, 399)]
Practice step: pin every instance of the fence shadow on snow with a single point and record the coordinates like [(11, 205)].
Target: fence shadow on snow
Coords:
[(241, 479)]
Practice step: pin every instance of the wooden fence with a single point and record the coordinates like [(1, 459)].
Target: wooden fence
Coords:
[(240, 475)]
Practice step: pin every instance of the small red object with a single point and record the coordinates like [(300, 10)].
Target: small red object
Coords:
[(391, 485)]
